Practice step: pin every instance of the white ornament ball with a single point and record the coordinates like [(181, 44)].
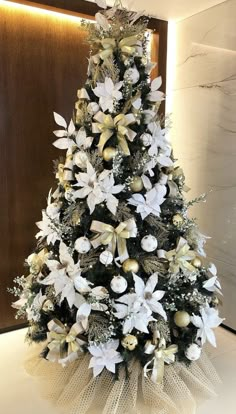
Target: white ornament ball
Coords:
[(193, 352), (82, 245), (132, 75), (149, 243), (106, 257), (119, 284), (93, 108), (146, 139), (81, 159)]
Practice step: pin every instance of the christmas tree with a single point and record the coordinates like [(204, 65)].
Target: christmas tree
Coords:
[(119, 275)]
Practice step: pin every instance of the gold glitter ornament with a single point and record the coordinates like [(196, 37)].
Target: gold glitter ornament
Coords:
[(130, 265), (182, 319), (109, 153), (48, 306), (196, 262), (177, 219), (137, 184), (129, 342)]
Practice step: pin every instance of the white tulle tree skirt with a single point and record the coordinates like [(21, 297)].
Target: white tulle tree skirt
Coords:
[(75, 391)]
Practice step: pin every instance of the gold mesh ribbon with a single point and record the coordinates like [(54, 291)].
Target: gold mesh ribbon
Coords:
[(179, 258), (161, 356), (127, 46), (58, 336), (106, 126), (114, 237)]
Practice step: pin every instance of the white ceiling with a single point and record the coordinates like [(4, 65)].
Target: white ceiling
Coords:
[(169, 9)]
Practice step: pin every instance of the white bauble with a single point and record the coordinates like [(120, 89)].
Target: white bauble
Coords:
[(146, 139), (106, 257), (149, 243), (119, 284), (80, 159), (193, 352), (132, 75), (93, 108), (82, 245)]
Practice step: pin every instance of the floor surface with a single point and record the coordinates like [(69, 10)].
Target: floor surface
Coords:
[(19, 393)]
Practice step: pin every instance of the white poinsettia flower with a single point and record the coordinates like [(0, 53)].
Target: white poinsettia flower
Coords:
[(155, 95), (212, 284), (150, 202), (98, 189), (108, 94), (109, 188), (85, 307), (46, 228), (104, 355), (134, 313), (64, 274), (82, 140), (36, 306), (90, 187), (50, 217), (149, 296), (158, 139), (206, 322), (64, 135)]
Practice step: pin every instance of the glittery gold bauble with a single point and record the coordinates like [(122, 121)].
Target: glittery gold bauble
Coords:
[(215, 301), (130, 265), (177, 219), (182, 319), (136, 184), (129, 342), (109, 153), (48, 306), (197, 262)]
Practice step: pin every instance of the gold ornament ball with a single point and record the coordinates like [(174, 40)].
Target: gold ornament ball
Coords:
[(197, 262), (215, 301), (129, 342), (48, 306), (130, 265), (109, 153), (177, 219), (136, 184), (182, 319)]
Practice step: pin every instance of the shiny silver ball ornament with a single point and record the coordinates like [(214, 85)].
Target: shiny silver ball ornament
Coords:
[(118, 284), (149, 243), (82, 245)]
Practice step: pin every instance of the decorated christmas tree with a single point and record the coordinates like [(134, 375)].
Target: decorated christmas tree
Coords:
[(118, 291)]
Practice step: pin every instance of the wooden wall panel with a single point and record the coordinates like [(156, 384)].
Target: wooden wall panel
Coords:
[(42, 64)]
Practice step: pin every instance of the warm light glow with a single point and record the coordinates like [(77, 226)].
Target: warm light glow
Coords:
[(171, 65), (41, 11)]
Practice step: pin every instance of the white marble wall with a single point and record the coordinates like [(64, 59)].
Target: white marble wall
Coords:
[(203, 101)]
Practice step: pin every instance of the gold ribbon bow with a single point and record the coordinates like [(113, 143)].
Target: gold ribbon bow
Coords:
[(128, 46), (59, 336), (114, 237), (162, 355), (37, 260), (179, 258), (106, 126)]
